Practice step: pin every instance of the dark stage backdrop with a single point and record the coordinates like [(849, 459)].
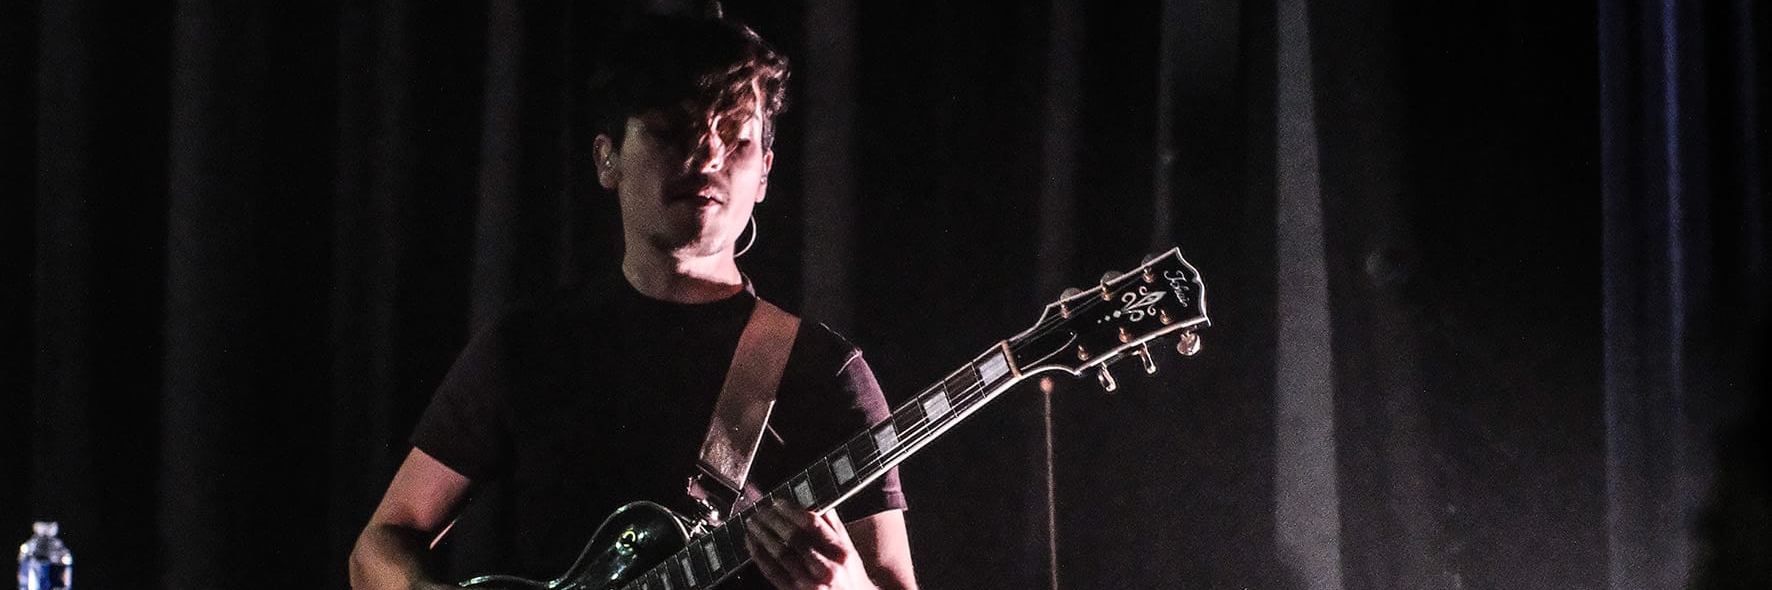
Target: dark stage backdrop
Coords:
[(1489, 280)]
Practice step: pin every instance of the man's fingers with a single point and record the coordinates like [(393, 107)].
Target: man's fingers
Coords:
[(824, 539), (777, 522), (768, 565), (810, 531), (797, 545), (769, 550), (799, 528), (830, 521)]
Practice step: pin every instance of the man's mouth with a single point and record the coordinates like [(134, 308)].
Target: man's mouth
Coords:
[(703, 196)]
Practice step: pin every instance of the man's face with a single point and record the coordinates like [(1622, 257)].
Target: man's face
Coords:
[(687, 187)]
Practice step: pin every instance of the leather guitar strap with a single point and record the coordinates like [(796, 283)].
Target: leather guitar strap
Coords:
[(742, 410)]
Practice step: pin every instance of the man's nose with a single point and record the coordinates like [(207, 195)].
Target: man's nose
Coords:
[(710, 154)]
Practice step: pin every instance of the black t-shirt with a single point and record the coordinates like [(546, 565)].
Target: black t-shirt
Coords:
[(577, 403)]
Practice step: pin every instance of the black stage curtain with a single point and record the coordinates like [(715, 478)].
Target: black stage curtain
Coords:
[(243, 240)]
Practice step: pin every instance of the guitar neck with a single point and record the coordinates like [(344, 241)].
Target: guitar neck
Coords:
[(841, 473), (913, 425)]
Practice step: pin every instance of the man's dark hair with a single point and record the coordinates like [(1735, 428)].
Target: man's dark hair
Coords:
[(713, 66)]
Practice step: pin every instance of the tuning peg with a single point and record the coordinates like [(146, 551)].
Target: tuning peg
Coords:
[(1189, 344), (1149, 257), (1144, 354), (1107, 379), (1064, 309), (1107, 277)]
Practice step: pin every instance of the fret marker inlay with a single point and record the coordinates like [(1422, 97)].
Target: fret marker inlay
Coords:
[(937, 405), (842, 469), (886, 438), (803, 493)]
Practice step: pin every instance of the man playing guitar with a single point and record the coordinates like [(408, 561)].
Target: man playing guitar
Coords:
[(599, 394)]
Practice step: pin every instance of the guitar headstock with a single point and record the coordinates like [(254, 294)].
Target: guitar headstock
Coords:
[(1091, 328)]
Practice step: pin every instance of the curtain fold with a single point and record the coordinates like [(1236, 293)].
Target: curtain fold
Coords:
[(1388, 494), (1685, 280), (95, 83)]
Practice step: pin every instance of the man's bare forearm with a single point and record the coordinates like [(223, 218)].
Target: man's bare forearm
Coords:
[(389, 557)]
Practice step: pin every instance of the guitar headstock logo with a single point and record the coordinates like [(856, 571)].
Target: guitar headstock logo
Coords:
[(1180, 283), (1138, 305)]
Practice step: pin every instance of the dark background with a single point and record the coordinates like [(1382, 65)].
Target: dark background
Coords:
[(243, 241)]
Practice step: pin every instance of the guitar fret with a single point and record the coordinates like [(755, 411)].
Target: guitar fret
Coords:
[(732, 541), (936, 405), (994, 368), (688, 571), (683, 576), (909, 417), (735, 542), (713, 554), (709, 549), (731, 549), (698, 562), (963, 381), (862, 449), (886, 437), (842, 468), (802, 489), (822, 484)]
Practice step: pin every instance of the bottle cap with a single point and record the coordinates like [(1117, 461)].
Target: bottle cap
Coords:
[(45, 528)]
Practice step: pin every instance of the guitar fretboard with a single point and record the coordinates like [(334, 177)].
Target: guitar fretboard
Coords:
[(842, 472)]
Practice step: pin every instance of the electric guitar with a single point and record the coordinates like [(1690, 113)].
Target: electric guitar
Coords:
[(645, 546)]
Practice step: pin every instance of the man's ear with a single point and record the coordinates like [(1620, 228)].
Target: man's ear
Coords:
[(606, 161), (768, 164)]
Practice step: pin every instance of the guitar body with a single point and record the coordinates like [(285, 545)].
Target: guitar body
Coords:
[(630, 541)]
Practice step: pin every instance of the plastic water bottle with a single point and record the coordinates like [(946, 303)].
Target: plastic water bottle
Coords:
[(44, 563)]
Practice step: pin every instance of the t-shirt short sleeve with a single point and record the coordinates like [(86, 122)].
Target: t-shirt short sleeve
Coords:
[(856, 381), (466, 425)]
